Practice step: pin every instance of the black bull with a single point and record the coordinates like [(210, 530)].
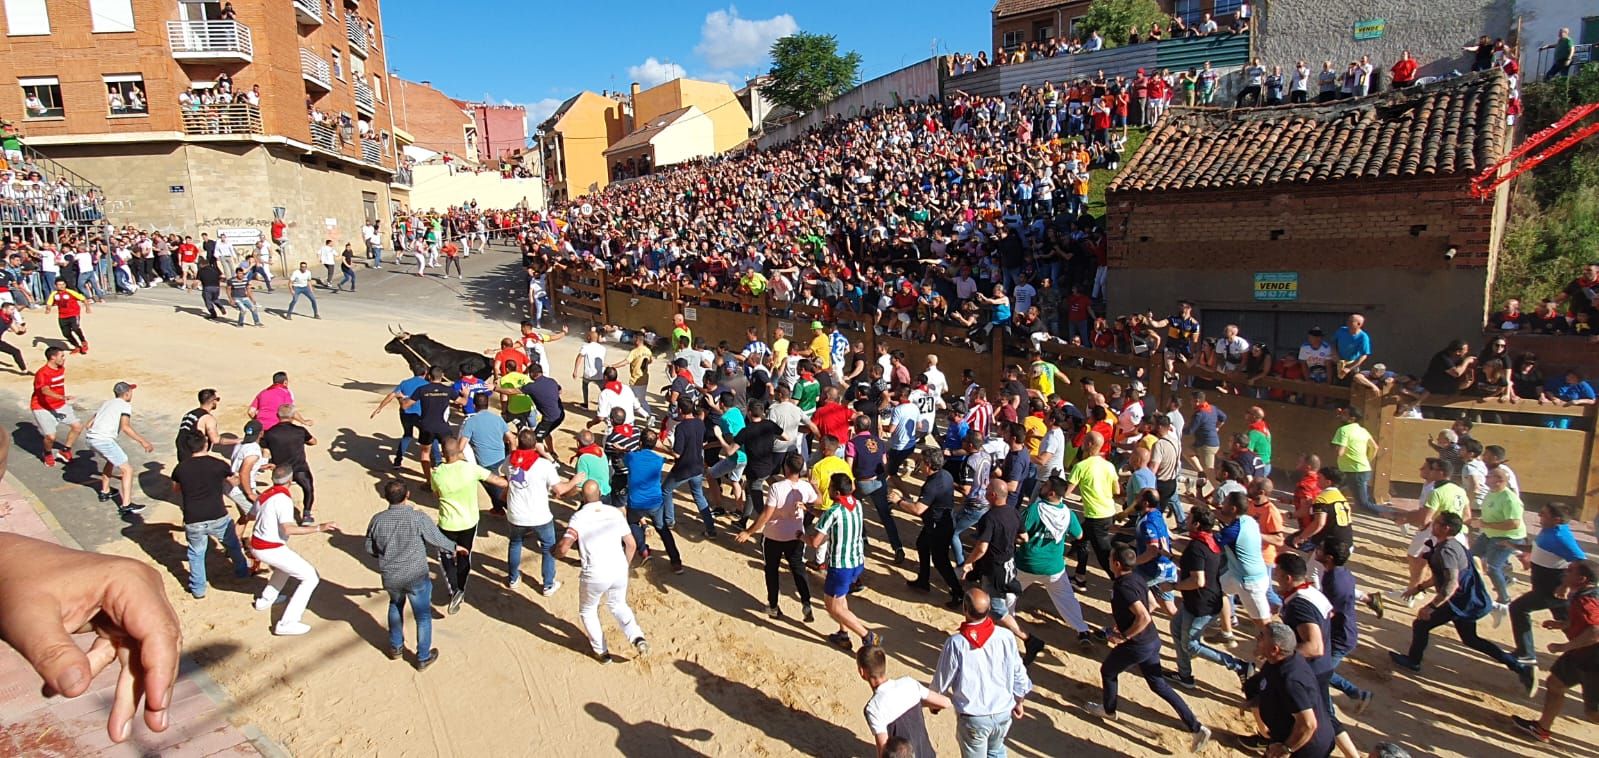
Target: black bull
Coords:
[(420, 352)]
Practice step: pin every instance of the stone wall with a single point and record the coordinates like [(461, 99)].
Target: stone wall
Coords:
[(435, 187), (1432, 30)]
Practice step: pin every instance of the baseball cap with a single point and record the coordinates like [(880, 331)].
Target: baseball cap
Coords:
[(252, 431), (1136, 386), (122, 388), (816, 325)]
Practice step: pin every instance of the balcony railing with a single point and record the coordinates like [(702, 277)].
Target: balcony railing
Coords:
[(363, 98), (308, 12), (223, 118), (210, 40), (402, 176), (355, 31), (315, 70), (371, 151), (325, 136)]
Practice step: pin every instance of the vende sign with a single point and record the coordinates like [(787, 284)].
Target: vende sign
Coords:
[(1277, 285)]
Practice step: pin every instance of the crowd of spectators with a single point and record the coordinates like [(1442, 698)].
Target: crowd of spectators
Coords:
[(1176, 27), (30, 197)]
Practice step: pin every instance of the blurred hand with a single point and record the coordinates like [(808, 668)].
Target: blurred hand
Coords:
[(48, 592)]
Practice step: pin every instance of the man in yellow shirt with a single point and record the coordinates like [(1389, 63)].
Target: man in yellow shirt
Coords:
[(638, 368), (779, 350), (821, 348), (1095, 480), (824, 468)]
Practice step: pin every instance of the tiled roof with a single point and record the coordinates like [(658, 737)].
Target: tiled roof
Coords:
[(1004, 8), (1453, 127)]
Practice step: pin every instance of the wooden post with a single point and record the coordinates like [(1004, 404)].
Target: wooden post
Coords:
[(1379, 420), (996, 371), (766, 313), (1588, 478), (554, 292), (605, 300)]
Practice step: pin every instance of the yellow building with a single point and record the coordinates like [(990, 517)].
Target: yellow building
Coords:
[(715, 99), (574, 140)]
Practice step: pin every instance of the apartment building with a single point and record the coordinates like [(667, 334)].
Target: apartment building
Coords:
[(200, 116)]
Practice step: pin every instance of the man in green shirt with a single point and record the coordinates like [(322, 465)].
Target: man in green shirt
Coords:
[(807, 391), (518, 407), (1355, 448), (1439, 495), (1095, 480), (1259, 435), (1047, 527), (1504, 530), (455, 482), (592, 462), (1565, 54), (841, 534)]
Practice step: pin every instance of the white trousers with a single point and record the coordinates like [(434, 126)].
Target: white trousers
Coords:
[(1060, 594), (614, 592), (287, 564)]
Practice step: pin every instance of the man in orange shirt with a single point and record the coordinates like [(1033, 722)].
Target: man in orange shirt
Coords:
[(1265, 513)]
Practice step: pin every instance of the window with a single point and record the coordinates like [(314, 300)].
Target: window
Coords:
[(111, 15), (338, 65), (377, 88), (471, 140), (125, 95), (1011, 40), (1043, 32), (357, 68), (1189, 10), (41, 97), (1590, 31), (26, 18), (1224, 7)]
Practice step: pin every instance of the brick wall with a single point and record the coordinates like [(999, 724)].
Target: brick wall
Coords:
[(501, 129), (433, 119)]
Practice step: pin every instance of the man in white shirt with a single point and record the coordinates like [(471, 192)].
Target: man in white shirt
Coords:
[(895, 709), (247, 462), (374, 244), (936, 381), (114, 418), (330, 260), (1231, 349), (227, 259), (269, 543), (533, 479), (591, 366), (300, 283), (982, 670), (606, 546)]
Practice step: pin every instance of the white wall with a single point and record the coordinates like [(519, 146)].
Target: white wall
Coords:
[(917, 81), (432, 186), (693, 136)]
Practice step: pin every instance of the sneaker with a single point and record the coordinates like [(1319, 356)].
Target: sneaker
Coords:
[(677, 567), (1185, 682), (290, 629), (1030, 650), (513, 582), (49, 460), (773, 612), (106, 496), (1500, 612), (1362, 702), (550, 590), (643, 555), (1399, 596), (1403, 661), (1530, 728), (261, 604), (641, 646), (1246, 672), (422, 664), (456, 600), (306, 519), (954, 603), (1250, 743), (1224, 638), (131, 509), (809, 616), (918, 586), (841, 639), (1200, 740), (873, 639), (63, 456), (1529, 679), (1079, 583), (1098, 709), (899, 557), (604, 658), (1375, 603), (395, 653), (1085, 640)]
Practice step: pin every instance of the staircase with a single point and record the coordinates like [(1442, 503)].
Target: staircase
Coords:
[(45, 212)]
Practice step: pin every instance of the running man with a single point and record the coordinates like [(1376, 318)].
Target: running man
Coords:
[(606, 546), (11, 320), (841, 528), (52, 406), (70, 306), (116, 417), (269, 543)]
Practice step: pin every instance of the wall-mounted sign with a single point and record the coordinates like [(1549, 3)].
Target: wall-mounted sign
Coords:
[(691, 314), (241, 236), (1370, 28), (176, 189), (1277, 285)]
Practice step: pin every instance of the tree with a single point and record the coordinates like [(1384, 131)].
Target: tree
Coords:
[(1114, 18), (807, 71)]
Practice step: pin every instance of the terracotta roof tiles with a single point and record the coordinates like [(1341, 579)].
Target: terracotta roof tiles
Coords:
[(1440, 129)]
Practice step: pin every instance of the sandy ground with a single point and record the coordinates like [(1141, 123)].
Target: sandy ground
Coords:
[(515, 674)]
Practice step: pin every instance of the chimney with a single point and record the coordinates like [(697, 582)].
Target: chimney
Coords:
[(633, 90), (425, 83)]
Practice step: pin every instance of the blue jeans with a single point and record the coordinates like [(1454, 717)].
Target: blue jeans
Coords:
[(377, 255), (696, 488), (1338, 682), (1495, 554), (1187, 633), (875, 490), (247, 304), (420, 596), (306, 291), (349, 278), (544, 536), (982, 736), (635, 522), (199, 535), (89, 285), (1358, 485), (965, 517)]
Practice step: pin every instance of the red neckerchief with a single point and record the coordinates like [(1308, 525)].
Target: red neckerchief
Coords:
[(1297, 588), (1206, 536), (806, 375), (684, 374), (593, 450), (626, 430), (1202, 407), (614, 387), (524, 459), (848, 501), (978, 632), (1039, 414), (1260, 426)]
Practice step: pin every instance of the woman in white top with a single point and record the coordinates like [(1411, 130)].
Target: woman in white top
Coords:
[(782, 528)]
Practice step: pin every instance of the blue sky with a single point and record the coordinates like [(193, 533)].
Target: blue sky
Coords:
[(560, 49)]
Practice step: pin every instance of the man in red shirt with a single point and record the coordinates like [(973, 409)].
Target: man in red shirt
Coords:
[(1579, 654), (72, 306), (832, 418), (189, 261), (52, 406), (1404, 71), (1079, 316)]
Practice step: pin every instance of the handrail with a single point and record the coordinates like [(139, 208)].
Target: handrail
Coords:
[(355, 32), (324, 136), (316, 70), (371, 151), (223, 118), (363, 97), (210, 39), (309, 11)]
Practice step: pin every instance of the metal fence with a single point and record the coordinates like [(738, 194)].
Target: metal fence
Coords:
[(223, 118), (60, 200), (1222, 51)]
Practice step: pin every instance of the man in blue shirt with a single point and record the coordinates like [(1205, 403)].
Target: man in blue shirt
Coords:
[(902, 431), (645, 498), (1205, 428), (1351, 346), (409, 416), (1244, 573), (488, 434), (546, 395)]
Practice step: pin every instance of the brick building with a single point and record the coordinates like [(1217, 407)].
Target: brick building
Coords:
[(435, 121), (501, 129), (1280, 219), (180, 165)]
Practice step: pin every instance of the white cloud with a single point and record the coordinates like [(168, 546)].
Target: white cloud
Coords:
[(728, 41), (652, 72), (538, 111)]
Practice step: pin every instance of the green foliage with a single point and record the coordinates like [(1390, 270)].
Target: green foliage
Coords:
[(1099, 177), (807, 71), (1554, 209), (1114, 18)]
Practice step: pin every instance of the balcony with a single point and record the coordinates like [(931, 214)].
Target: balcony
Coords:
[(223, 118), (372, 152), (355, 32), (325, 136), (210, 41), (402, 177), (364, 101), (315, 71), (308, 12)]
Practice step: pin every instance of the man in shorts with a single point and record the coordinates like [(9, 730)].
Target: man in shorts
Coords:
[(52, 406), (1578, 663), (546, 395), (1246, 576), (432, 399), (115, 417), (842, 529)]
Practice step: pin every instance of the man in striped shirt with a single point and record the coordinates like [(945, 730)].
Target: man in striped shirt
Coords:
[(399, 537), (842, 529)]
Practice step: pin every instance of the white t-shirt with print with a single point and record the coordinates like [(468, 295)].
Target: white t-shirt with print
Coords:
[(527, 502)]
